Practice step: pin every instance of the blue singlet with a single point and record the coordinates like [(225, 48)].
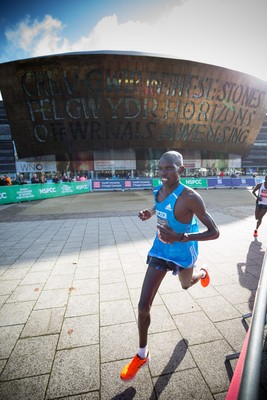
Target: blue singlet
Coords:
[(182, 254)]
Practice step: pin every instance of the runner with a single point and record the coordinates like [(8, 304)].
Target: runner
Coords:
[(261, 203), (175, 247)]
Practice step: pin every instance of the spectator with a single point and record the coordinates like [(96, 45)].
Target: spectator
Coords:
[(56, 179), (35, 179), (21, 180), (65, 178), (43, 179), (3, 181), (8, 180)]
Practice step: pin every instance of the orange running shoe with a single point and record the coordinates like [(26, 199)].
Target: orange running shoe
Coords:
[(130, 370), (205, 281), (255, 234)]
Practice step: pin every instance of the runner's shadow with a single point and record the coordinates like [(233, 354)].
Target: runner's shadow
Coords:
[(249, 271), (128, 394), (165, 376)]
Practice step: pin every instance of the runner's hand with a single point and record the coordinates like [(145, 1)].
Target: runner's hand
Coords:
[(145, 214), (167, 234)]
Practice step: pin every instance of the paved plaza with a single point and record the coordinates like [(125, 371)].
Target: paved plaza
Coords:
[(71, 270)]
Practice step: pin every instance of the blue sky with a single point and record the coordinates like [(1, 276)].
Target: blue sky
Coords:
[(228, 33)]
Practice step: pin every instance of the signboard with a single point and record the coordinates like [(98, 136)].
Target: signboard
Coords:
[(219, 182), (231, 182), (107, 184), (243, 182), (195, 183), (18, 193), (78, 102), (114, 159), (114, 165), (135, 184), (35, 166), (121, 184)]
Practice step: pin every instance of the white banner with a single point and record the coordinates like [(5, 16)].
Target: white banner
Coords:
[(35, 166), (112, 165), (234, 161), (116, 159)]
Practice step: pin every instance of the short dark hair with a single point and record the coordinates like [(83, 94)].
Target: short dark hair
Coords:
[(175, 156)]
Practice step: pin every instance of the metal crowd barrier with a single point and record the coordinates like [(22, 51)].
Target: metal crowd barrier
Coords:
[(245, 383)]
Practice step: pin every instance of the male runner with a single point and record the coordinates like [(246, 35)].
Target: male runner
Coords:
[(261, 203), (175, 247)]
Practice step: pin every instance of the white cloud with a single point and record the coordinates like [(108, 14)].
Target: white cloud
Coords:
[(37, 38), (229, 33), (109, 34)]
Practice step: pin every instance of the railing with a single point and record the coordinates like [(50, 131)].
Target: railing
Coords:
[(246, 380)]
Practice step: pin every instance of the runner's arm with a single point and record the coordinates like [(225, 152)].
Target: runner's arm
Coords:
[(255, 189)]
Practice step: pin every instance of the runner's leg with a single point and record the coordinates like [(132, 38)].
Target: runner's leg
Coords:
[(189, 277), (152, 281), (260, 214)]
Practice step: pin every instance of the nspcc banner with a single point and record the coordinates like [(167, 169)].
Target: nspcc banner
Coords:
[(195, 183), (17, 193)]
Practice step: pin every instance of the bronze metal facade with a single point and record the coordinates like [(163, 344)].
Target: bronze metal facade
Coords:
[(78, 102)]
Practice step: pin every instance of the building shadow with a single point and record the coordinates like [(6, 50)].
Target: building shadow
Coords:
[(165, 376)]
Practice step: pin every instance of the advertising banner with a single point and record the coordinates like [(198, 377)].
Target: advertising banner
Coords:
[(107, 184), (136, 184), (156, 182), (195, 183), (35, 166), (121, 184), (18, 193), (231, 182), (243, 182), (219, 182)]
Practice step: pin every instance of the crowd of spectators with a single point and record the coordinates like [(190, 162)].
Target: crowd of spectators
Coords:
[(5, 180)]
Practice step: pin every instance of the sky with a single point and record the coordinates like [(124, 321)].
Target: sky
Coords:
[(227, 33)]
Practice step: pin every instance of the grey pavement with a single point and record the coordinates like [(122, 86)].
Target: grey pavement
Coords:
[(71, 270)]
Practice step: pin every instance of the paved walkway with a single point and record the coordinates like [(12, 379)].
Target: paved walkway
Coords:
[(70, 277)]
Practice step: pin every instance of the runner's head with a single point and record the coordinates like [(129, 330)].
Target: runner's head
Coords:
[(171, 167)]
